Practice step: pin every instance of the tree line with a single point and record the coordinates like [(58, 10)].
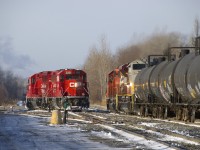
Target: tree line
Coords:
[(11, 87)]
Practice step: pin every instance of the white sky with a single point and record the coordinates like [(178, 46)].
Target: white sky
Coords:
[(55, 34)]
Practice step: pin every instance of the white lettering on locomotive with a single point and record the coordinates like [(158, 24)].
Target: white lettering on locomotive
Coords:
[(71, 84)]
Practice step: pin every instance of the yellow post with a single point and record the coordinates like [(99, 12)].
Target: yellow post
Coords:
[(116, 102), (56, 117)]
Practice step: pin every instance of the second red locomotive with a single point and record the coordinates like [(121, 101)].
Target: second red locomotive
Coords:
[(49, 89)]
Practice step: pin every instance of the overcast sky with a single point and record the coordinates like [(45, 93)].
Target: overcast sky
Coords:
[(38, 35)]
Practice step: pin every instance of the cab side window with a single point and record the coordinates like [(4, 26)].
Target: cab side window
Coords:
[(61, 78)]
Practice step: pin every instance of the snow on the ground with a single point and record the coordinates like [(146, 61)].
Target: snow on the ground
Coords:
[(33, 116), (38, 110), (172, 121), (165, 137), (80, 120), (20, 132), (182, 123), (149, 143), (149, 124), (104, 134), (74, 114), (156, 125), (98, 116)]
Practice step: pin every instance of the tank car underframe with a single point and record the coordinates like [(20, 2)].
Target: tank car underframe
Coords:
[(181, 111)]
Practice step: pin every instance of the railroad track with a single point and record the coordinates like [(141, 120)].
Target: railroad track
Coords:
[(129, 124), (138, 133), (140, 130)]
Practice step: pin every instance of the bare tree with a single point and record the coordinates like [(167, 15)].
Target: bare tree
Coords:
[(196, 30), (157, 43), (11, 86), (196, 26), (99, 63)]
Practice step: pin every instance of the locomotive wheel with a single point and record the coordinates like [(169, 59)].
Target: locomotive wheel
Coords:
[(185, 114), (108, 101), (160, 112), (34, 103), (114, 106), (29, 105), (154, 112)]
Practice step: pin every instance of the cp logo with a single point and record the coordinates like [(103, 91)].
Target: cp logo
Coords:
[(72, 84)]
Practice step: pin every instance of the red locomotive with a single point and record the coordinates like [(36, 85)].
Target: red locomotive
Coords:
[(49, 89), (118, 88)]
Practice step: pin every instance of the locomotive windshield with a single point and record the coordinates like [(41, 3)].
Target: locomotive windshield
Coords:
[(75, 77), (33, 80), (138, 66)]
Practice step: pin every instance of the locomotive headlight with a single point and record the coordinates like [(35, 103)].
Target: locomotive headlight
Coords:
[(77, 84)]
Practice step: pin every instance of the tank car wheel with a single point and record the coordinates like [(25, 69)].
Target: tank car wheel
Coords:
[(142, 111), (165, 113), (185, 114), (146, 111), (160, 112), (154, 112), (192, 118), (178, 114)]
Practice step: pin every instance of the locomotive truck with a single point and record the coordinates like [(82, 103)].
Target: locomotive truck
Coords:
[(50, 89)]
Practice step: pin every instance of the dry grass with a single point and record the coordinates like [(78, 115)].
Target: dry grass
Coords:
[(98, 104)]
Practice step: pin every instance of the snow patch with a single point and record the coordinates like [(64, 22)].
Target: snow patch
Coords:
[(133, 138), (164, 137), (149, 124)]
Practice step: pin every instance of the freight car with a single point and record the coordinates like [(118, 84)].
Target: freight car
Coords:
[(168, 86), (50, 89)]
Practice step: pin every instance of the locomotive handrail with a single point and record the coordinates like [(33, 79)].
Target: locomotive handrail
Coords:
[(86, 91), (64, 91), (48, 91)]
